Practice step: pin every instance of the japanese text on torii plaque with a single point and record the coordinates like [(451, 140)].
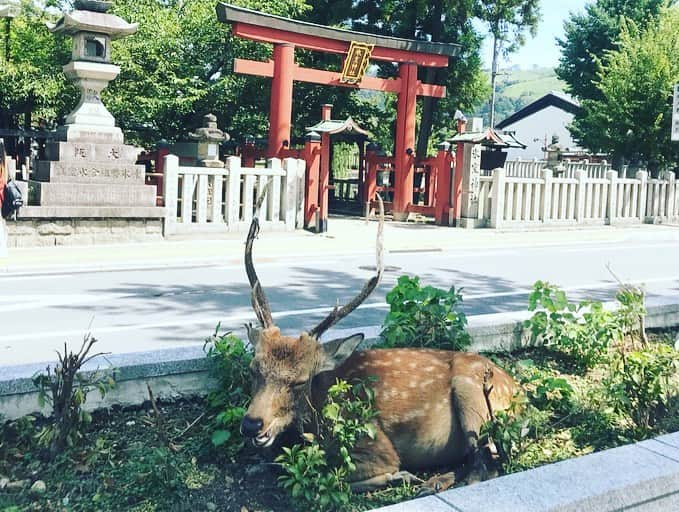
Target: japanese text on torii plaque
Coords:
[(356, 62)]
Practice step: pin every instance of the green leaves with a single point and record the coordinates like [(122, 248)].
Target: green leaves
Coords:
[(424, 317), (231, 366), (316, 473)]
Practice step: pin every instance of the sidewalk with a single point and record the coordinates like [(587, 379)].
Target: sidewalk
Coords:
[(345, 236)]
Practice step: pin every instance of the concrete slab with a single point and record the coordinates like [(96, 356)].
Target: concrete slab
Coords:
[(625, 478), (428, 504)]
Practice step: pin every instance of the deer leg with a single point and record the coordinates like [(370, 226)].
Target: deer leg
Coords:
[(472, 413), (377, 464)]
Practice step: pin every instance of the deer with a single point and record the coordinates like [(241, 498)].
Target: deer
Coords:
[(430, 403)]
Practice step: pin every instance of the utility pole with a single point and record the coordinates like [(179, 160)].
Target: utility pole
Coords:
[(493, 78)]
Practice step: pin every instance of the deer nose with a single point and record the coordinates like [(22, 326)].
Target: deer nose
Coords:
[(250, 427)]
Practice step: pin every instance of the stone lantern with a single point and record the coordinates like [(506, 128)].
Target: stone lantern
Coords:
[(208, 138), (92, 30)]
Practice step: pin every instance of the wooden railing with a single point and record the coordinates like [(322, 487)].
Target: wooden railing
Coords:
[(203, 199), (506, 201)]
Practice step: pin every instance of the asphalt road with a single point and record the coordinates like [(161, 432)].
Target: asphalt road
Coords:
[(137, 310)]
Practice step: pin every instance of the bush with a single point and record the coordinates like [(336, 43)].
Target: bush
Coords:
[(424, 317), (65, 388), (545, 391), (584, 331), (640, 382), (316, 473), (231, 360)]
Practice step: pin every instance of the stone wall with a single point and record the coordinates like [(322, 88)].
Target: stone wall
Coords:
[(82, 231)]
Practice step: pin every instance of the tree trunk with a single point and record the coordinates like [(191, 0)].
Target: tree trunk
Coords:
[(429, 103)]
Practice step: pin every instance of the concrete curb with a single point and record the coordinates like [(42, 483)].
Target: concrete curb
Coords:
[(184, 371), (640, 477)]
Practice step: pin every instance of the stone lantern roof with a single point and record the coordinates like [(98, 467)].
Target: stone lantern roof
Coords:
[(209, 131), (93, 21)]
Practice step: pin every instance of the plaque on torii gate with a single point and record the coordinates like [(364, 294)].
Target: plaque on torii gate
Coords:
[(287, 34)]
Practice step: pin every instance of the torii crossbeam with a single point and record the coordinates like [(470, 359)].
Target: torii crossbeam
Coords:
[(286, 34)]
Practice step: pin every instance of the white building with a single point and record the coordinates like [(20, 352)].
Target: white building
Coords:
[(536, 124)]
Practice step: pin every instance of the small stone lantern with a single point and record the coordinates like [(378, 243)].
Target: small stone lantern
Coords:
[(209, 137), (92, 30)]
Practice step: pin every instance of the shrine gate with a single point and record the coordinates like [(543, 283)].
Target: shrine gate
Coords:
[(287, 34)]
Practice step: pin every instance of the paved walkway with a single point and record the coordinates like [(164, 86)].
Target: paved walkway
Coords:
[(346, 236)]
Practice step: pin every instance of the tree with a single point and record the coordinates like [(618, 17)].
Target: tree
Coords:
[(177, 67), (507, 22), (632, 118), (32, 84), (590, 35)]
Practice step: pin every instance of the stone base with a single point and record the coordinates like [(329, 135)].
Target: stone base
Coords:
[(90, 194), (470, 223), (41, 232)]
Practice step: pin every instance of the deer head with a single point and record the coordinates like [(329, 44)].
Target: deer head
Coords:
[(283, 367)]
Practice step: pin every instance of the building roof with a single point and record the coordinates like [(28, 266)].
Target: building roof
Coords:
[(488, 137), (556, 99), (333, 126), (230, 13)]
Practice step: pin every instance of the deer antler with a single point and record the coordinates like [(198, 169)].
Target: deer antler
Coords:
[(259, 302), (340, 312)]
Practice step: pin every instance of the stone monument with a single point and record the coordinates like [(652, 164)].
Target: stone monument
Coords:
[(208, 138), (88, 172)]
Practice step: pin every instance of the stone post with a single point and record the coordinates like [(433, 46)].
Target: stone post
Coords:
[(471, 184), (170, 191), (233, 192), (642, 176), (290, 193), (581, 190), (498, 206), (671, 196), (547, 196), (612, 177)]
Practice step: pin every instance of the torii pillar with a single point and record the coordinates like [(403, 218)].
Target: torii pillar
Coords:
[(280, 111), (404, 147)]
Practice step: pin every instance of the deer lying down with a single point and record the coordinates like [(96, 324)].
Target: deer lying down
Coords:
[(431, 403)]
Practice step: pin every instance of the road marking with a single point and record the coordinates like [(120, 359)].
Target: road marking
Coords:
[(32, 277)]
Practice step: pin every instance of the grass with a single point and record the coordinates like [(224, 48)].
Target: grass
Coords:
[(126, 461)]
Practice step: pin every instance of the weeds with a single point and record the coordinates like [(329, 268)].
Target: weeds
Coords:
[(317, 472), (65, 389), (424, 317)]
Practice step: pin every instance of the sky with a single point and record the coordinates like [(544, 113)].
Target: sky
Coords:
[(542, 49)]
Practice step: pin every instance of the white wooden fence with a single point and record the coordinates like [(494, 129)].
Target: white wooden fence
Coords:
[(533, 168), (507, 201), (211, 200)]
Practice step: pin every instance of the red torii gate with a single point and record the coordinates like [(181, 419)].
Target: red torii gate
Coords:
[(286, 34)]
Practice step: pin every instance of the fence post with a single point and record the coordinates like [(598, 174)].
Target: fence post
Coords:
[(170, 191), (642, 176), (497, 212), (299, 204), (581, 176), (612, 177), (671, 195), (233, 192), (547, 196), (290, 196)]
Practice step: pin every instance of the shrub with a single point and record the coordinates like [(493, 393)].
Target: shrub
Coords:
[(231, 360), (640, 382), (545, 391), (65, 388), (424, 317), (316, 473), (584, 331)]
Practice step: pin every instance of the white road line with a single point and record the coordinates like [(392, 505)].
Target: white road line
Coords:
[(27, 277)]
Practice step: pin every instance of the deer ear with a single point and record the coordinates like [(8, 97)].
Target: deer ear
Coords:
[(337, 351), (253, 334)]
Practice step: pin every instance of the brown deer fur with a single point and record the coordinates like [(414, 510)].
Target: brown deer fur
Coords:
[(430, 403)]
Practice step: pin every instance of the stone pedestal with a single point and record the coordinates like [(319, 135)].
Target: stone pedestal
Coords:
[(90, 174)]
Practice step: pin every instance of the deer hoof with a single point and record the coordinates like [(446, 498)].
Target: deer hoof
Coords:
[(404, 477), (436, 484)]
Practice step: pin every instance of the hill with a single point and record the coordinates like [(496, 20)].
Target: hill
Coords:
[(516, 88)]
